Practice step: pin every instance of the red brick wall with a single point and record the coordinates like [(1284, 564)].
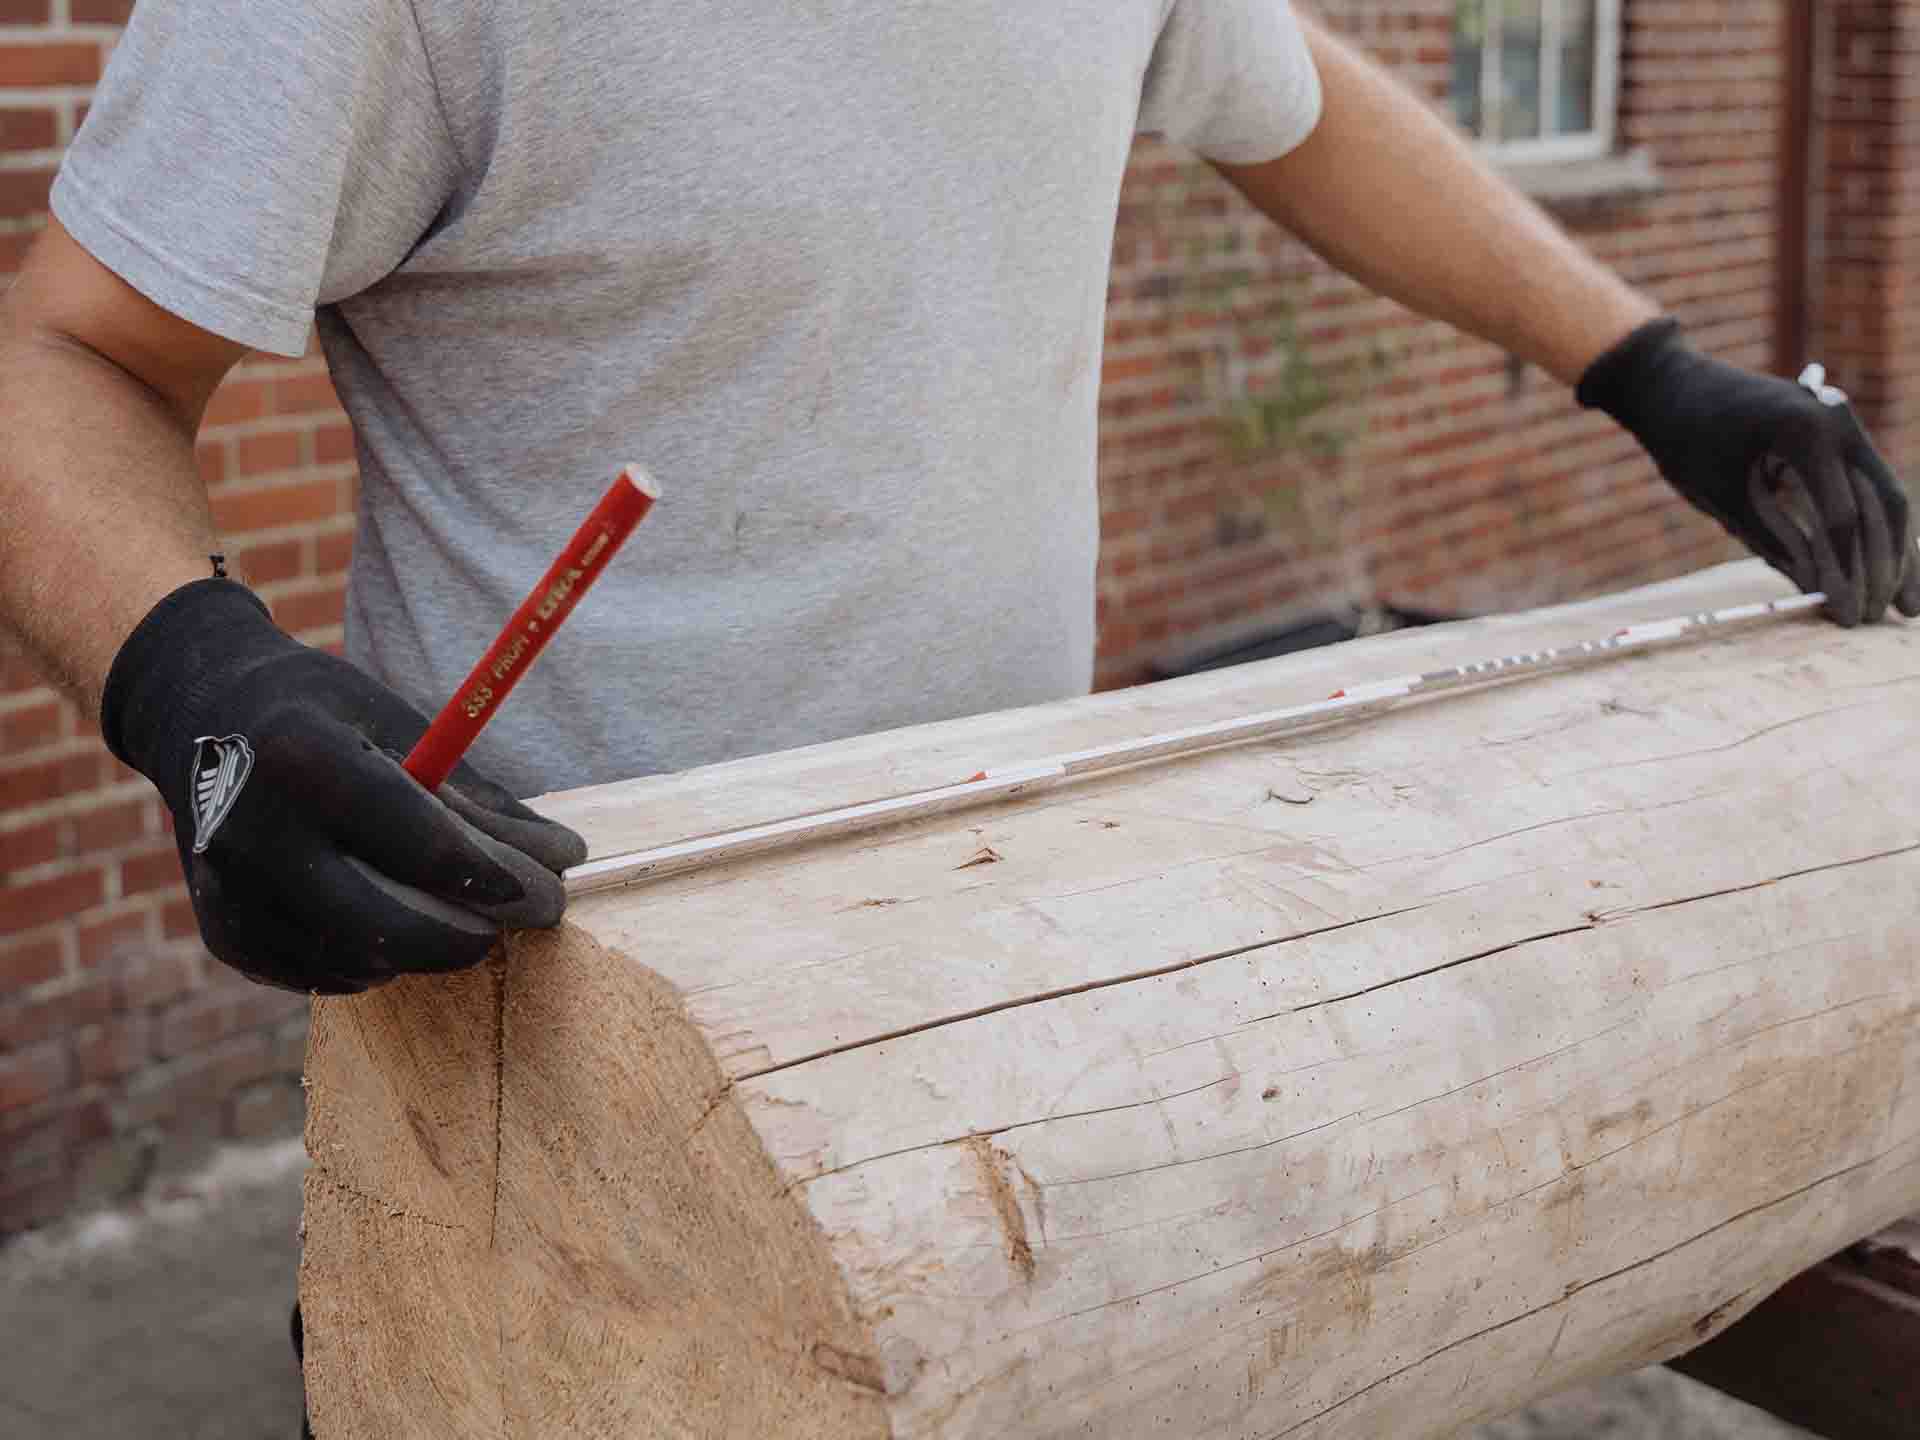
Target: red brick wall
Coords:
[(1868, 304), (1464, 486), (1460, 487)]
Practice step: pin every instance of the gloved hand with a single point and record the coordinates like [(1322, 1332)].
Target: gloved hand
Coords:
[(1787, 469), (315, 862)]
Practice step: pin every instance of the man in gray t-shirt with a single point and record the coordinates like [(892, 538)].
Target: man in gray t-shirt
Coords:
[(834, 271)]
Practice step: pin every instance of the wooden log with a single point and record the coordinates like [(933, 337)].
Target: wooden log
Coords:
[(1836, 1350), (1365, 1082)]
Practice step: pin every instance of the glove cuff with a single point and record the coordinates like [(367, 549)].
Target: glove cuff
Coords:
[(162, 680), (1614, 381)]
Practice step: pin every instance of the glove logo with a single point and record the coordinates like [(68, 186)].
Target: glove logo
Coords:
[(220, 769)]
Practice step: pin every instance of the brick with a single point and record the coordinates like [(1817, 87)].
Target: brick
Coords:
[(41, 902), (25, 12), (333, 444), (101, 12), (32, 1076), (195, 1082), (155, 870), (13, 251), (30, 845), (270, 453), (108, 827), (24, 193), (305, 395), (112, 1048), (153, 978), (333, 553), (49, 64), (266, 1108), (23, 129), (235, 401), (44, 780), (211, 457), (99, 943), (235, 512), (31, 962), (55, 1011), (312, 610), (269, 564), (177, 920), (194, 1024), (35, 725)]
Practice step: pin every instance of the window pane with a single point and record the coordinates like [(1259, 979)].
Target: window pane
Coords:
[(1469, 36), (1579, 43), (1520, 42)]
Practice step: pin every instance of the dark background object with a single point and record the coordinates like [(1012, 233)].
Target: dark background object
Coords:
[(1325, 628)]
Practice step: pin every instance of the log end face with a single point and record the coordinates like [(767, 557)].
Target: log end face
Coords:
[(656, 1277)]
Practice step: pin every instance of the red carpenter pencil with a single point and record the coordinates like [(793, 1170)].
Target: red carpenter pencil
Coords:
[(623, 507)]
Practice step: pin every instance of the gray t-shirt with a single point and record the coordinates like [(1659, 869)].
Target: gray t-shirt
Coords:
[(834, 272)]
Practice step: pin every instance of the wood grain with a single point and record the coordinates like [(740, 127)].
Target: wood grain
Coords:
[(1372, 1081)]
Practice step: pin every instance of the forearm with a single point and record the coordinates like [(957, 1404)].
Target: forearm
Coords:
[(1387, 192), (102, 511)]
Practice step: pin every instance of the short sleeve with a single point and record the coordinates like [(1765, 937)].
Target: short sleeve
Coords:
[(247, 160), (1233, 79)]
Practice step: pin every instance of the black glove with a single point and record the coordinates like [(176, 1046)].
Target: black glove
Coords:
[(315, 862), (1787, 469)]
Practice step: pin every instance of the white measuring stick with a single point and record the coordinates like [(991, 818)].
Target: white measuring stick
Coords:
[(1343, 704)]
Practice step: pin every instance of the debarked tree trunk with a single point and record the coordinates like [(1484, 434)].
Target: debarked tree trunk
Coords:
[(1366, 1082)]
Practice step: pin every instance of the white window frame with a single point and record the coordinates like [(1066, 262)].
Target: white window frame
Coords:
[(1553, 149)]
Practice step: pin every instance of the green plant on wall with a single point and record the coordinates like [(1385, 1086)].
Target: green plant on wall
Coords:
[(1284, 401), (1267, 389)]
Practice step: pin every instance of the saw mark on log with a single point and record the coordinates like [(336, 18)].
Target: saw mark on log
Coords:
[(1575, 1289), (1013, 1221)]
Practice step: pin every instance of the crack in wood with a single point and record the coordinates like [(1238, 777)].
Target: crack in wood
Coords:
[(391, 1210), (1778, 725), (497, 963), (1043, 996), (714, 1102), (1608, 916)]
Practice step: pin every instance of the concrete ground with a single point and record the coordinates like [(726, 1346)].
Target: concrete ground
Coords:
[(170, 1319)]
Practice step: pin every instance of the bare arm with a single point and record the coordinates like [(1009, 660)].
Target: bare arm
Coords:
[(102, 511), (1386, 191)]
